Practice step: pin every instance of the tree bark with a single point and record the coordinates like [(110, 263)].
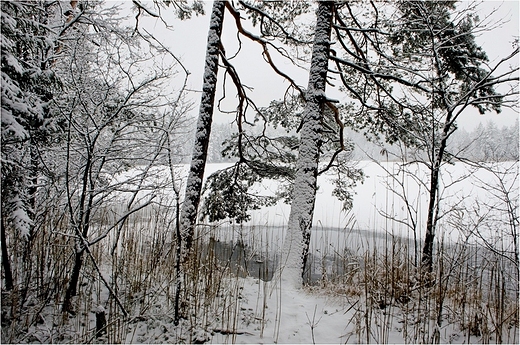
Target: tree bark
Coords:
[(101, 323), (296, 243), (73, 283), (200, 150), (431, 222), (32, 190), (82, 227), (6, 262)]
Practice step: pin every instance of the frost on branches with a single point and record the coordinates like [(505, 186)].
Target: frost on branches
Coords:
[(28, 85)]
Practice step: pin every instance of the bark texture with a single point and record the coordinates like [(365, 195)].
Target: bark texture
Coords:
[(433, 207), (296, 243), (200, 150)]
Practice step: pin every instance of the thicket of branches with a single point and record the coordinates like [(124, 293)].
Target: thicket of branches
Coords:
[(94, 136)]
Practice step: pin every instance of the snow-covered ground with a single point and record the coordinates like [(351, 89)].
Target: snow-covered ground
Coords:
[(316, 316), (268, 313)]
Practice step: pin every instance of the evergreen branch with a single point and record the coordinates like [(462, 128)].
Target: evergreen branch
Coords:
[(371, 73), (281, 27)]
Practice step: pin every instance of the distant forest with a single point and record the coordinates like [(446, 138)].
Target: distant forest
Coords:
[(485, 143)]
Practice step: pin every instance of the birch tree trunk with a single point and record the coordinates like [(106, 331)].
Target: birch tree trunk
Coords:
[(200, 150), (296, 243)]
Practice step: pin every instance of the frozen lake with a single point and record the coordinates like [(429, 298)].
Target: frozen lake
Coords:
[(391, 199), (389, 202), (464, 190)]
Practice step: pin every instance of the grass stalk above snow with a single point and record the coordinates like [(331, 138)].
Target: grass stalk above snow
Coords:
[(363, 286)]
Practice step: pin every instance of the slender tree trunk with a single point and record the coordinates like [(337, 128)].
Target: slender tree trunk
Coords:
[(427, 256), (296, 243), (6, 262), (73, 283), (200, 150), (178, 271), (431, 222), (34, 168), (82, 231), (76, 269)]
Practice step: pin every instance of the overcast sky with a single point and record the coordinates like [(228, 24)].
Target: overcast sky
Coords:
[(188, 40)]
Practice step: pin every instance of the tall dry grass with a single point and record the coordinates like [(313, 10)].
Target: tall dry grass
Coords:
[(137, 263), (472, 295)]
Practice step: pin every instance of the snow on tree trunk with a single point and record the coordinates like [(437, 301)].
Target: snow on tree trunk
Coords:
[(200, 149), (296, 243)]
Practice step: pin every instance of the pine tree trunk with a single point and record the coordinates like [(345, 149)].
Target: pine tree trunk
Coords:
[(200, 150), (296, 243)]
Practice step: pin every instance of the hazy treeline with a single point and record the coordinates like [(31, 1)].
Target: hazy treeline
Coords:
[(485, 143)]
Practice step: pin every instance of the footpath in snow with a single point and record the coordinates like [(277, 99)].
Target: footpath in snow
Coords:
[(271, 314)]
